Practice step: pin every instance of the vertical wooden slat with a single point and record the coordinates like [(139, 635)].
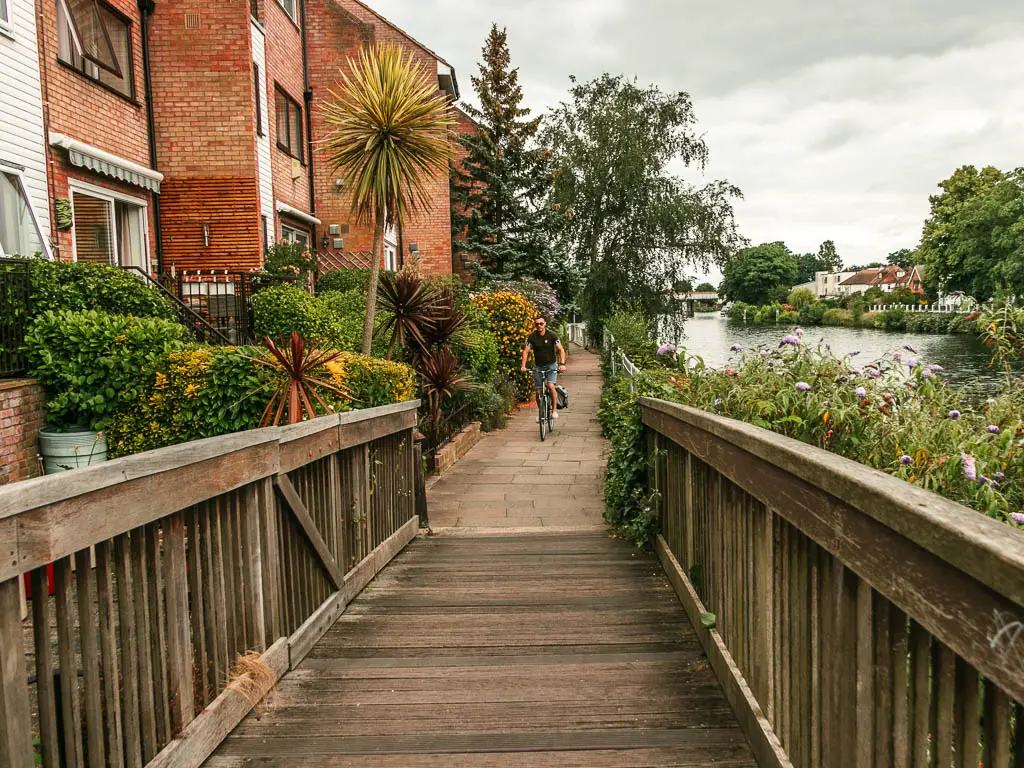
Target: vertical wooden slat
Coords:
[(865, 676), (997, 727), (766, 580), (883, 685), (45, 692), (967, 715), (158, 636), (128, 638), (270, 561), (144, 630), (815, 656), (179, 647), (944, 678), (215, 674), (194, 519), (232, 578), (845, 679), (900, 688), (15, 727), (921, 663), (785, 639), (71, 713), (108, 653), (252, 562), (92, 700), (688, 510), (225, 621)]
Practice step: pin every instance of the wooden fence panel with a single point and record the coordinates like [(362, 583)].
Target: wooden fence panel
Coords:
[(847, 635), (169, 566)]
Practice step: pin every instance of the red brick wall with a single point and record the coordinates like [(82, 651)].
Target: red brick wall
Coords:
[(21, 418), (284, 69), (464, 126), (337, 29), (84, 110)]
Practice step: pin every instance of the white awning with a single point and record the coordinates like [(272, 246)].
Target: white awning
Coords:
[(95, 159), (295, 213)]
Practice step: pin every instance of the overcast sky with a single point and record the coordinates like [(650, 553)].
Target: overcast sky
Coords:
[(836, 118)]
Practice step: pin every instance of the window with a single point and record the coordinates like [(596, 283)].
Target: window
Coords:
[(96, 41), (5, 17), (265, 233), (390, 258), (259, 99), (289, 125), (108, 230), (292, 235), (291, 7), (19, 230)]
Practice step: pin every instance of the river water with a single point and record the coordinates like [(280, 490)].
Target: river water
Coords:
[(964, 358)]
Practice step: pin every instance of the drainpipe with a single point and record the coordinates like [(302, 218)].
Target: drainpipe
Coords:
[(308, 97), (146, 7)]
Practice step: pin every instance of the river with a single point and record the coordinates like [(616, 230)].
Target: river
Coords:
[(964, 358)]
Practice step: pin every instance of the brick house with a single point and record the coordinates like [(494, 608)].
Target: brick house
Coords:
[(337, 29), (887, 279), (464, 126), (96, 119)]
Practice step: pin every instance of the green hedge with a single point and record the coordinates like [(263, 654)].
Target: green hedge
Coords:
[(285, 308), (80, 286), (344, 280), (94, 364)]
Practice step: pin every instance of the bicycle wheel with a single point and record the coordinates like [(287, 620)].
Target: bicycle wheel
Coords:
[(542, 415)]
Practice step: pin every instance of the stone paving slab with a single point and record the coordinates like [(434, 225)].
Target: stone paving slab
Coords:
[(510, 479)]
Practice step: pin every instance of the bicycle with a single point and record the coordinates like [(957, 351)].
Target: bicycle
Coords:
[(545, 421)]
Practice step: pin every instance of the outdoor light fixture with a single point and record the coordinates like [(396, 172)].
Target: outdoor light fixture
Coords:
[(206, 235), (338, 184), (324, 242)]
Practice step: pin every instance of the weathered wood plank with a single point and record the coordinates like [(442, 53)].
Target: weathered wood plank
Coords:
[(108, 653), (15, 731), (92, 699), (179, 646), (291, 496), (45, 689), (128, 639), (71, 713)]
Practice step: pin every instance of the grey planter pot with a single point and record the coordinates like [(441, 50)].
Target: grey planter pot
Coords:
[(73, 449)]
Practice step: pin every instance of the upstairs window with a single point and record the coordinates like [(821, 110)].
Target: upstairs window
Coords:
[(97, 41), (292, 235), (19, 230), (291, 7), (259, 98), (289, 125), (5, 17)]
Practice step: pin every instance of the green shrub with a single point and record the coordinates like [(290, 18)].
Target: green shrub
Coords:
[(293, 261), (282, 309), (477, 350), (789, 318), (79, 286), (843, 317), (94, 364), (892, 320), (370, 381), (192, 393), (801, 297), (344, 280), (813, 314)]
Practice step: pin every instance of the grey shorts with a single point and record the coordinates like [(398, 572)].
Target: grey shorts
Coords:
[(545, 374)]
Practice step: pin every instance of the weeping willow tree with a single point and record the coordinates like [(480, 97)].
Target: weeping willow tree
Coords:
[(631, 226), (389, 134)]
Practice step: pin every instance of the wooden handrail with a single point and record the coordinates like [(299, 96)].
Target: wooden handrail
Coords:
[(858, 620), (171, 564)]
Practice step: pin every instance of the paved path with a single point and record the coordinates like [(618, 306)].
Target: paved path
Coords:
[(513, 480)]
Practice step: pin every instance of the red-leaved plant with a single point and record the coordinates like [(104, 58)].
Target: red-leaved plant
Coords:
[(296, 386)]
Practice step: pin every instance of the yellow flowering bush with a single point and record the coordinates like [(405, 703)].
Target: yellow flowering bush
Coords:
[(511, 318), (371, 381)]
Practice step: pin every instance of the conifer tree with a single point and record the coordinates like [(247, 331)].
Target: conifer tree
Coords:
[(499, 192)]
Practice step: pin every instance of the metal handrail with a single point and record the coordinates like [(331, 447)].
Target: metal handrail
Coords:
[(187, 315), (629, 368)]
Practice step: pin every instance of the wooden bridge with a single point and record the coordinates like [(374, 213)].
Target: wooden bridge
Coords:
[(216, 603)]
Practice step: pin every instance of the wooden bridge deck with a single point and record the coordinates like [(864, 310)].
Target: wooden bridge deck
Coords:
[(505, 645), (559, 650)]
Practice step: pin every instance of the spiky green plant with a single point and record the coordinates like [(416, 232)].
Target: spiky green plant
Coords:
[(390, 132)]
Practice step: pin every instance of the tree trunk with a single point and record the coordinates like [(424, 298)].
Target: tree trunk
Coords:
[(371, 297)]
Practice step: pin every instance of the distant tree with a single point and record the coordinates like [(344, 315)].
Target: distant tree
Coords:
[(683, 285), (904, 258), (630, 225), (861, 268), (808, 264), (705, 287), (973, 240), (500, 190), (760, 275), (800, 297), (828, 259)]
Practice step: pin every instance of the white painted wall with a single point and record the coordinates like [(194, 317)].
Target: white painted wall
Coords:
[(266, 179), (22, 139)]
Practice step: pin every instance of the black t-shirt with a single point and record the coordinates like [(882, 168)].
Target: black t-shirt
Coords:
[(544, 351)]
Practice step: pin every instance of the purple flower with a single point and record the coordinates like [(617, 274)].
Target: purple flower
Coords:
[(936, 368), (897, 356), (843, 379), (906, 460), (999, 476), (874, 373), (803, 386), (954, 415), (735, 348), (909, 348), (793, 341), (991, 401), (799, 331), (1018, 518), (927, 375), (982, 480), (970, 470), (912, 363), (993, 429), (860, 392), (854, 353), (827, 404), (666, 349), (718, 401)]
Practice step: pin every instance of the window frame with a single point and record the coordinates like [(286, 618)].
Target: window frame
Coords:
[(297, 231), (259, 99), (128, 70), (18, 172), (6, 23), (292, 103), (110, 197), (293, 15)]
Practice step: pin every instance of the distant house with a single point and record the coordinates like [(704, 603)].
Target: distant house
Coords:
[(829, 284), (886, 279)]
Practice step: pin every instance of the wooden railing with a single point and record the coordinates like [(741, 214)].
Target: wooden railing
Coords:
[(173, 571), (853, 619)]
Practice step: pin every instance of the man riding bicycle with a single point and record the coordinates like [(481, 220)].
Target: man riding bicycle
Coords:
[(548, 360)]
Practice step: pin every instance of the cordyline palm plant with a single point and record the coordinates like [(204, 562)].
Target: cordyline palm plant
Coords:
[(296, 386), (411, 307), (441, 375), (389, 134)]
